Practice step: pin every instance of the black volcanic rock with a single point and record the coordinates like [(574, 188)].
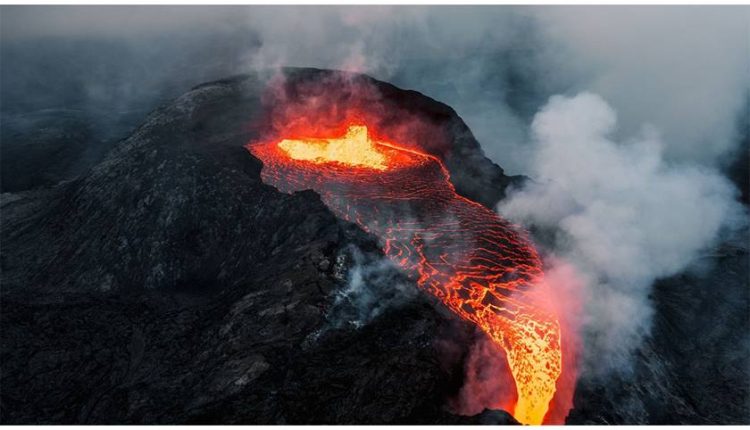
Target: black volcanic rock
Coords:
[(168, 284), (254, 354)]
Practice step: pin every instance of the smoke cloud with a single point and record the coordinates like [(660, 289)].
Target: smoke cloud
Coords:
[(684, 70), (621, 214)]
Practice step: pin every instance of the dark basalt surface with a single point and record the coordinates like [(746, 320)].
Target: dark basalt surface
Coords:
[(264, 353), (168, 284)]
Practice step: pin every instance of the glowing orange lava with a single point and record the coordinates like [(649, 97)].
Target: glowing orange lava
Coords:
[(354, 149), (475, 262)]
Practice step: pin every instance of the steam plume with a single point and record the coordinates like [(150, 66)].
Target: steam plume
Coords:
[(621, 215)]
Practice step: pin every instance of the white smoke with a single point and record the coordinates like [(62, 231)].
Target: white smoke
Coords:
[(624, 217), (374, 284)]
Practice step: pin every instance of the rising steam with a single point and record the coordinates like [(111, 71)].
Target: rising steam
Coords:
[(621, 215)]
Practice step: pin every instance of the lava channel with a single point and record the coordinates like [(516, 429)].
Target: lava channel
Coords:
[(464, 254)]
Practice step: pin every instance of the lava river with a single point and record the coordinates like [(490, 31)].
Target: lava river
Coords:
[(464, 254)]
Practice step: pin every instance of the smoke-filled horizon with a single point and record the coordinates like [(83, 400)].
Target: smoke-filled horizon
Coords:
[(681, 71)]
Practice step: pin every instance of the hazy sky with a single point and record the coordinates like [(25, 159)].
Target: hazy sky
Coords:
[(683, 71)]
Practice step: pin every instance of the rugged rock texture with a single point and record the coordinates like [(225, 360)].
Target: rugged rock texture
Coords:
[(168, 284), (261, 353)]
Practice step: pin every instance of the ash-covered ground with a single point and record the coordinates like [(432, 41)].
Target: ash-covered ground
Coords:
[(162, 282)]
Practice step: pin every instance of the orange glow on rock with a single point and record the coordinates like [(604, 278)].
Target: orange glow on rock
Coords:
[(476, 263)]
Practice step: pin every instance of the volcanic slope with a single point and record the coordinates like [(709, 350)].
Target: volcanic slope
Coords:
[(168, 284)]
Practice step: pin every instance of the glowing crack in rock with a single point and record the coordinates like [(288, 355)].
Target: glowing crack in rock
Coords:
[(473, 261)]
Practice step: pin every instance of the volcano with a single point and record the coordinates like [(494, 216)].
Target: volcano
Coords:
[(193, 292), (308, 246)]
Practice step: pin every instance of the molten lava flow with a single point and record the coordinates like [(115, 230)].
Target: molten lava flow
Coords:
[(354, 149), (458, 250)]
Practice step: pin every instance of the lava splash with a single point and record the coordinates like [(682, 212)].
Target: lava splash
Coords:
[(464, 254)]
